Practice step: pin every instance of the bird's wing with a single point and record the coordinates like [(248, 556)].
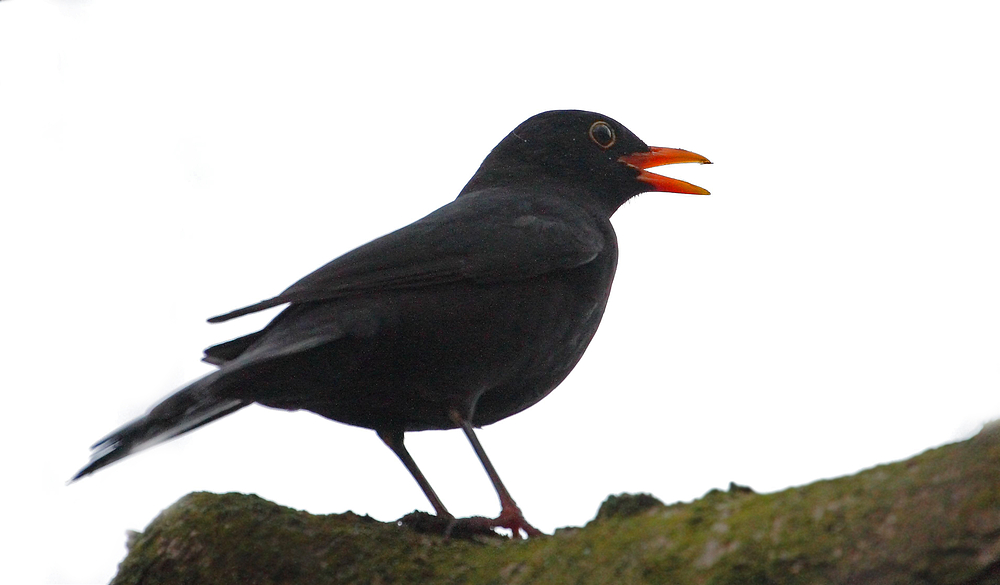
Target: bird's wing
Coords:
[(490, 236)]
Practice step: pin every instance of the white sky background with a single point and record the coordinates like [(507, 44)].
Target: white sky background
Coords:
[(832, 306)]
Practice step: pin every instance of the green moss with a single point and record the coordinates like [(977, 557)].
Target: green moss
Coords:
[(625, 505), (934, 518)]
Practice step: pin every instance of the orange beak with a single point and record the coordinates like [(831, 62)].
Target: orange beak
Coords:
[(658, 156)]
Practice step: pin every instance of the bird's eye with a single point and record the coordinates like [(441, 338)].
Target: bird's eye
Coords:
[(602, 134)]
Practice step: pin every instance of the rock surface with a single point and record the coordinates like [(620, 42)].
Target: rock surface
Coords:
[(932, 519)]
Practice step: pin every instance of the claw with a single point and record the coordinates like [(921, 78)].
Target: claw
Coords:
[(510, 518)]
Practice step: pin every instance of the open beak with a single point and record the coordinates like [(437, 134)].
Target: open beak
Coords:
[(658, 156)]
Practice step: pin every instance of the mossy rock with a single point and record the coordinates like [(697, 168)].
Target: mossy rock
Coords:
[(933, 519), (625, 505)]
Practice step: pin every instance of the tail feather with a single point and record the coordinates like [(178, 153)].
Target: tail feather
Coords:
[(217, 355), (183, 411)]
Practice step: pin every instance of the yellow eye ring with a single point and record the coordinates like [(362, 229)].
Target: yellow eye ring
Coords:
[(602, 134)]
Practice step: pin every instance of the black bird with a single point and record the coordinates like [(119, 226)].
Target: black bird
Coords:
[(458, 320)]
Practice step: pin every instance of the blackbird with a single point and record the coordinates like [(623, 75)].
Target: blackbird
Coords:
[(458, 320)]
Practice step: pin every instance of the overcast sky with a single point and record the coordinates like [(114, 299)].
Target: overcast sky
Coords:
[(831, 306)]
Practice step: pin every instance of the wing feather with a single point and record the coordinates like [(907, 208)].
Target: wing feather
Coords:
[(490, 236)]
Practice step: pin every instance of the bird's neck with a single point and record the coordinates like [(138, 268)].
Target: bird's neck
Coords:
[(602, 199)]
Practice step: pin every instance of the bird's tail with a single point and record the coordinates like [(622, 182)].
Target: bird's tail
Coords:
[(187, 409)]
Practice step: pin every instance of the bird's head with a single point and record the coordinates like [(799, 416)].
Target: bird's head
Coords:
[(586, 151)]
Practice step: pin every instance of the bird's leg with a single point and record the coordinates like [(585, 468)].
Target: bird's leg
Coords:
[(510, 515), (394, 439)]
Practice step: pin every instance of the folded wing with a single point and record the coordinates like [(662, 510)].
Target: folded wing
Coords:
[(490, 236)]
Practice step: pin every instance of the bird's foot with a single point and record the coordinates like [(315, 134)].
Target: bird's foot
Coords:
[(448, 526), (512, 519), (471, 527)]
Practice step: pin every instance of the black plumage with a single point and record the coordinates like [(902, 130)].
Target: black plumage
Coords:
[(460, 319)]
